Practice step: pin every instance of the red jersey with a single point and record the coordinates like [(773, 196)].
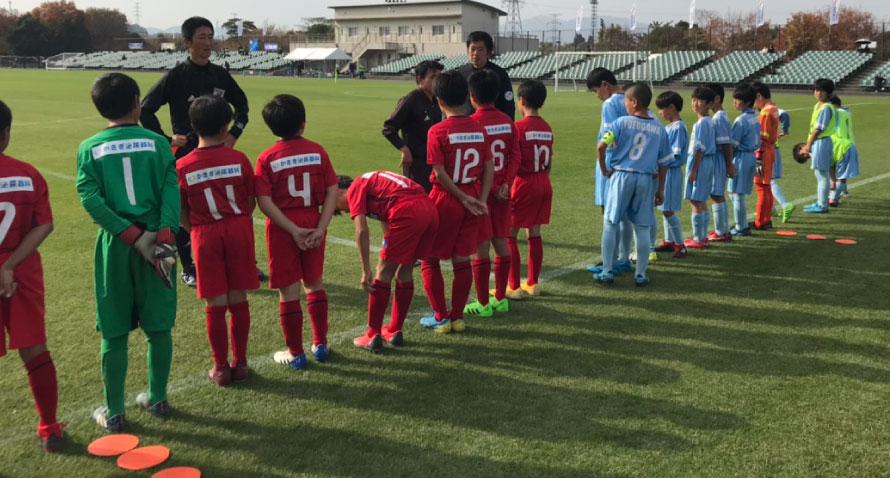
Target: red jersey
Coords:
[(374, 194), (295, 173), (459, 144), (214, 183), (503, 143), (536, 145), (24, 202)]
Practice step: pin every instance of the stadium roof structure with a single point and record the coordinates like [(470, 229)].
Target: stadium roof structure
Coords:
[(318, 54), (500, 12)]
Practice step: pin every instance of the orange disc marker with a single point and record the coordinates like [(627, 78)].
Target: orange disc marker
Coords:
[(816, 237), (178, 472), (143, 458), (113, 445), (786, 233), (846, 242)]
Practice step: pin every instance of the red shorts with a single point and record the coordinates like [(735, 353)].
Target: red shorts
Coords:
[(497, 222), (458, 228), (530, 200), (22, 315), (413, 223), (287, 263), (225, 256)]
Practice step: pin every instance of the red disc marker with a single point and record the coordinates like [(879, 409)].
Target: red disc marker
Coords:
[(816, 237), (143, 458), (786, 233), (846, 242), (178, 472), (113, 445)]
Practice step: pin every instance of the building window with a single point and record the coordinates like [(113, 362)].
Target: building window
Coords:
[(384, 31), (403, 31), (353, 31), (438, 30)]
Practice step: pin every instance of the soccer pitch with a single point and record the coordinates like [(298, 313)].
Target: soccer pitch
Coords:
[(768, 356)]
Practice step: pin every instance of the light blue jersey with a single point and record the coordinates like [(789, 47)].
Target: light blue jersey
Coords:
[(613, 108), (721, 128), (678, 138), (640, 145), (745, 138), (702, 139), (785, 128)]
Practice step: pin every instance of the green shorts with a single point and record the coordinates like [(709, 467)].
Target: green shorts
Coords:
[(128, 293)]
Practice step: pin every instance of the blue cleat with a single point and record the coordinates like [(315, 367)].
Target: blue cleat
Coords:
[(605, 278), (113, 424), (321, 353), (642, 281), (285, 358), (159, 409), (815, 208), (735, 231), (598, 269), (620, 267), (430, 322)]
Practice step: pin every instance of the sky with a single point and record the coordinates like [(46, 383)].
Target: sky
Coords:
[(167, 13)]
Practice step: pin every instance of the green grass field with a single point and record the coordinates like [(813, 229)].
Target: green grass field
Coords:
[(765, 357)]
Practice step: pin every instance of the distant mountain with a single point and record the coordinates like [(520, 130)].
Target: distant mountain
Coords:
[(535, 25)]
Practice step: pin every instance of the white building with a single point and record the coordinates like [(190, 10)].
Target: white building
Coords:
[(379, 33)]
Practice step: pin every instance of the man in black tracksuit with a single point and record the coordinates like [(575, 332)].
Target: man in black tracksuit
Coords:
[(188, 80), (480, 48)]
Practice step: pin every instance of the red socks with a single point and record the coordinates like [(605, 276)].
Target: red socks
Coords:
[(460, 289), (481, 277), (400, 305), (217, 333), (317, 304), (434, 285), (377, 303), (515, 262), (292, 326), (535, 259), (240, 330), (501, 273), (45, 389)]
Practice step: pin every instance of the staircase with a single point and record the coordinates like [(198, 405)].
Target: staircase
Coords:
[(851, 85)]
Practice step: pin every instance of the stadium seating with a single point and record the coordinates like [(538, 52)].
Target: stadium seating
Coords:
[(883, 69), (803, 70), (614, 63), (664, 66), (144, 60), (734, 67), (544, 66), (405, 65), (511, 59), (455, 62)]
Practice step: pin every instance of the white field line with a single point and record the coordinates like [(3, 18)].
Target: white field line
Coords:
[(63, 120), (851, 104)]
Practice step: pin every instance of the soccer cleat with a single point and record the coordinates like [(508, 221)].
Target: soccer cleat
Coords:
[(735, 231), (114, 424), (786, 212), (596, 268), (530, 289), (373, 343), (691, 243), (442, 326), (479, 310), (679, 252), (240, 372), (653, 256), (393, 338), (499, 306), (714, 237), (321, 352), (768, 225), (599, 269), (834, 203), (285, 358), (605, 278), (815, 209), (220, 375), (457, 326), (188, 276), (54, 442), (777, 212), (620, 267), (515, 294), (430, 322), (845, 194), (158, 410), (665, 247), (642, 281)]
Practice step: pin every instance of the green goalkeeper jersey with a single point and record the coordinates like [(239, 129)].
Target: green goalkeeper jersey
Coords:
[(127, 174)]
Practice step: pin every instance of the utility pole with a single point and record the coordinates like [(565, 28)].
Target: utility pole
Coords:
[(594, 4), (137, 15), (554, 24), (513, 27)]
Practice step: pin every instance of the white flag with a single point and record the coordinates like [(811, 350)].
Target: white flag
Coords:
[(633, 17), (760, 5), (580, 19), (835, 12), (691, 14)]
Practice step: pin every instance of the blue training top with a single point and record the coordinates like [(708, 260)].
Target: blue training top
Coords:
[(703, 138), (641, 145), (721, 127), (746, 132), (678, 138)]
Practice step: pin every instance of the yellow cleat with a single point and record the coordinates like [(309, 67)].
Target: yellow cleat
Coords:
[(653, 256), (514, 294), (531, 290), (458, 326), (446, 327)]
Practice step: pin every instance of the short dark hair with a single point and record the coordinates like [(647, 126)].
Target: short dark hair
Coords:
[(641, 92), (284, 115), (833, 99), (796, 153), (423, 68), (669, 98), (451, 87), (343, 181), (115, 95), (598, 75), (484, 86), (5, 116), (533, 92), (717, 88), (704, 93), (473, 37), (761, 89), (190, 25), (745, 93), (824, 84), (209, 115)]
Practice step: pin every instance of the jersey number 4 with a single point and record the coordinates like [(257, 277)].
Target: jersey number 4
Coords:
[(303, 192)]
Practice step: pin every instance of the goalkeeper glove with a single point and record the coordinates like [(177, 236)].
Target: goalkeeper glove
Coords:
[(760, 168), (164, 256), (138, 238)]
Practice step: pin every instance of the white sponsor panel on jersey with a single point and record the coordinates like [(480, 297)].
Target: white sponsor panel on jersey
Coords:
[(311, 159), (16, 184), (538, 136), (123, 146), (497, 129), (460, 138), (209, 174)]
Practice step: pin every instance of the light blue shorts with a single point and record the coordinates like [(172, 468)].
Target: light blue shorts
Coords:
[(673, 189), (821, 153), (701, 188), (718, 174), (743, 182), (601, 187), (630, 197), (848, 166), (777, 165)]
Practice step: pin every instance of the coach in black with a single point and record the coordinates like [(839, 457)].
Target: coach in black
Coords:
[(188, 80), (480, 48), (415, 114)]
